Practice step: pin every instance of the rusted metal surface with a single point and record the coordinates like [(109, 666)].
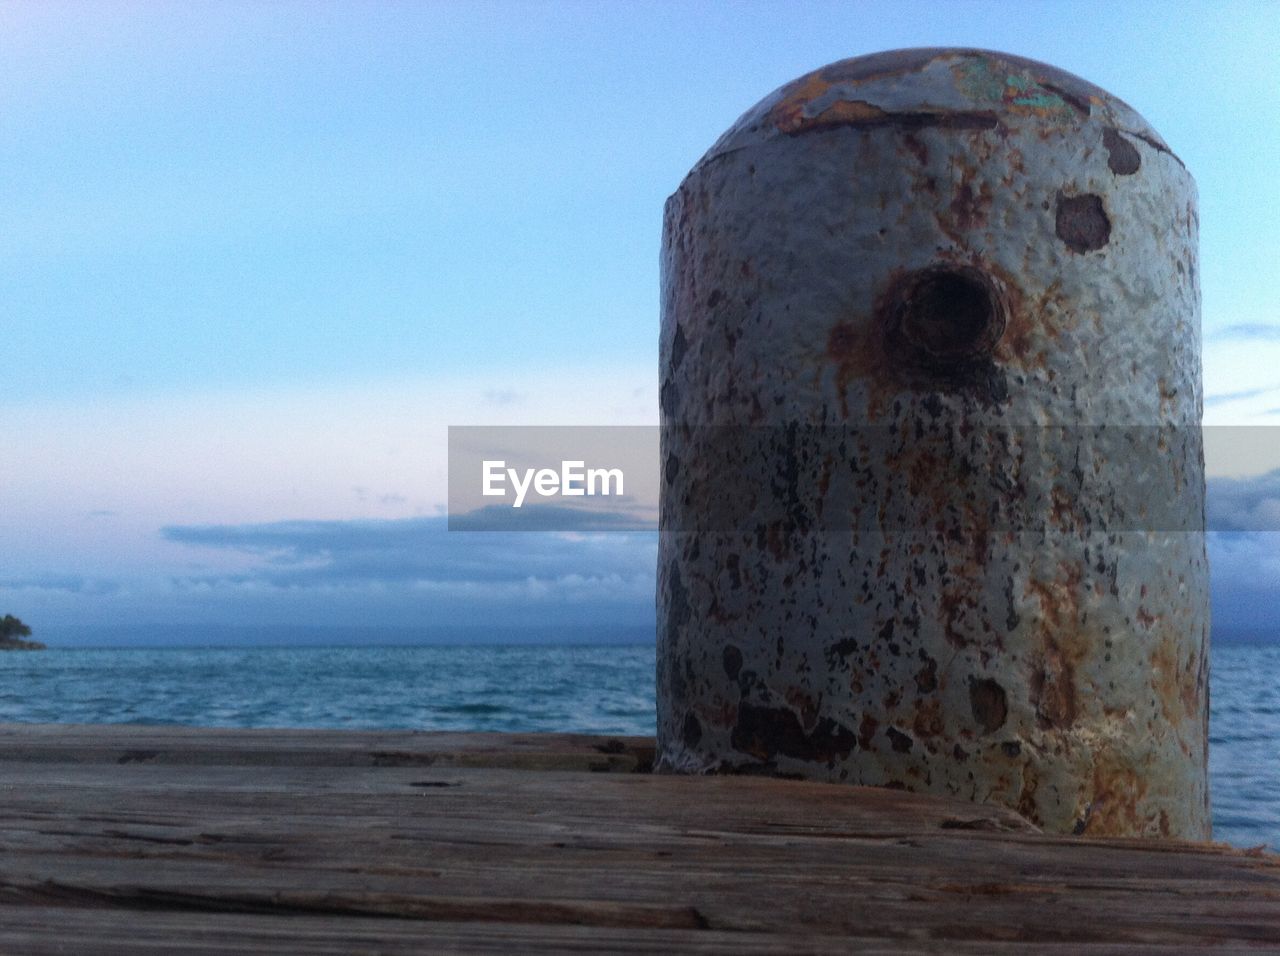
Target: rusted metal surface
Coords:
[(980, 274)]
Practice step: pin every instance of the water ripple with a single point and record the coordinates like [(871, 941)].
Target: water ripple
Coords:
[(599, 690)]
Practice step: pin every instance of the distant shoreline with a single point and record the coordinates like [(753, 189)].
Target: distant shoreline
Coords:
[(18, 644), (238, 636)]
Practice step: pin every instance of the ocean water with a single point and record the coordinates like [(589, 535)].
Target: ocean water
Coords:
[(1244, 743), (589, 689)]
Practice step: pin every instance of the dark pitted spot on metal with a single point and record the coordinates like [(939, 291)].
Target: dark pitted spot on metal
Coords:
[(692, 730), (732, 661), (669, 397), (989, 704), (898, 740), (1122, 155), (672, 468), (927, 676), (765, 732), (1082, 222), (679, 346), (678, 598), (944, 316)]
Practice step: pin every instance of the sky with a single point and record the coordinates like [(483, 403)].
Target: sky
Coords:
[(256, 258)]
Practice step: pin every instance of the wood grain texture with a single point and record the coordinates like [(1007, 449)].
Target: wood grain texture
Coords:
[(131, 839)]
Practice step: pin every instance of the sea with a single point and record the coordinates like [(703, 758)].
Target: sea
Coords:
[(601, 689)]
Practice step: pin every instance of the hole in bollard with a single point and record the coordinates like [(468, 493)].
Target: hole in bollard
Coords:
[(944, 316)]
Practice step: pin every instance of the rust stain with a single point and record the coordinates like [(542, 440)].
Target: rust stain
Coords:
[(1193, 698), (1118, 790), (1032, 326), (777, 540), (969, 207), (839, 113), (922, 472), (954, 604), (804, 706), (926, 677), (1179, 685), (1027, 796), (795, 114), (788, 113), (858, 356), (1063, 513), (723, 714), (918, 149), (1053, 689), (1053, 685), (928, 719)]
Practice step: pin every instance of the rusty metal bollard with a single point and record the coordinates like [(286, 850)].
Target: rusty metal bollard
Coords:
[(933, 492)]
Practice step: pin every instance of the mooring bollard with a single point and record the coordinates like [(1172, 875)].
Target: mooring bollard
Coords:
[(932, 505)]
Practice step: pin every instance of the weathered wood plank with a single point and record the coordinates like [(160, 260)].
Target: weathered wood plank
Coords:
[(123, 743), (198, 834), (124, 933)]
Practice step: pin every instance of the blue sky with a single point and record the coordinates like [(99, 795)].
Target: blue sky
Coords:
[(255, 258)]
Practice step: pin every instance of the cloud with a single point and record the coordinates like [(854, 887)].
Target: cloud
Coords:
[(504, 396), (1244, 504), (389, 498), (1224, 397), (630, 516), (422, 553), (1244, 560), (64, 583), (1256, 331), (417, 572)]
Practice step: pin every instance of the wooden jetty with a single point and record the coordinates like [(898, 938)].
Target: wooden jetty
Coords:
[(158, 840)]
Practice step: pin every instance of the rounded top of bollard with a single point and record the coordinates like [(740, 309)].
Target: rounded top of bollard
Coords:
[(952, 88)]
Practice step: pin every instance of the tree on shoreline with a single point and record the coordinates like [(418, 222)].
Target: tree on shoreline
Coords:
[(10, 627), (12, 632)]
